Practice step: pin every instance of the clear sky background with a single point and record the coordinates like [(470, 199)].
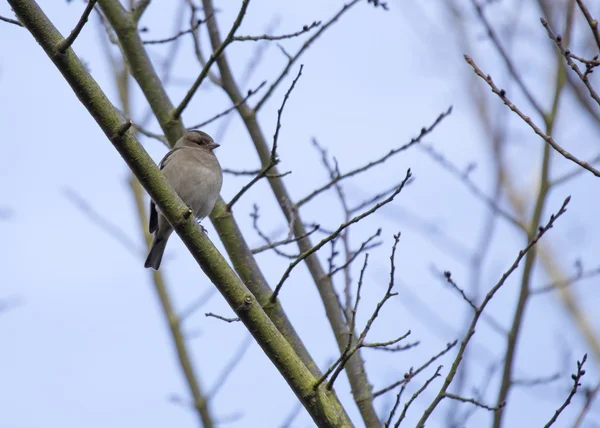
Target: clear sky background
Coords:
[(85, 343)]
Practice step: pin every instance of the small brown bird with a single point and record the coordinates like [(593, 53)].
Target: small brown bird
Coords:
[(193, 171)]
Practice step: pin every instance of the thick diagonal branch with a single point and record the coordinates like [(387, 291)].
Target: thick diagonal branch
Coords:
[(321, 404)]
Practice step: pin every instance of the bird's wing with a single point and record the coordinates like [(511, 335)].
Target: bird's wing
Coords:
[(153, 224), (168, 157)]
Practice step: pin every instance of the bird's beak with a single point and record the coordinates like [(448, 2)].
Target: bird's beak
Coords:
[(213, 146)]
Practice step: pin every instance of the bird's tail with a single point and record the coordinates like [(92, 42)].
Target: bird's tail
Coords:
[(156, 253)]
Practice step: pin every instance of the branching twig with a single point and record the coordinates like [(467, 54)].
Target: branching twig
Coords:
[(188, 97), (270, 245), (305, 45), (273, 160), (335, 234), (557, 39), (406, 378), (471, 331), (424, 132), (548, 139), (338, 366)]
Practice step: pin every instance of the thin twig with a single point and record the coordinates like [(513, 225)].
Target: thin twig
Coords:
[(567, 282), (557, 39), (270, 245), (305, 29), (66, 43), (590, 394), (347, 354), (305, 45), (176, 36), (424, 132), (222, 318), (216, 54), (230, 109), (406, 378), (576, 379), (593, 23), (416, 395), (475, 402), (273, 160), (475, 190), (548, 139), (11, 21), (507, 61)]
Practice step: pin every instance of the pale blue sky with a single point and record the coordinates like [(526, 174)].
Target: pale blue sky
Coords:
[(87, 346)]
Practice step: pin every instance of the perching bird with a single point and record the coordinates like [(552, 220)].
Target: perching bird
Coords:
[(193, 171)]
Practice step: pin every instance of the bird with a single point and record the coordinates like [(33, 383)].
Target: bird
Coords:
[(194, 172)]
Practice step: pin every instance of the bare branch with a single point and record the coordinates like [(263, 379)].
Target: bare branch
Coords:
[(593, 23), (424, 132), (274, 160), (590, 394), (471, 330), (66, 43), (548, 139), (193, 28), (305, 29), (347, 354), (568, 282), (305, 45), (222, 318), (415, 395), (567, 54), (509, 64), (576, 379), (11, 21), (188, 97), (463, 176), (334, 235), (475, 402), (407, 377), (230, 109), (270, 245)]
